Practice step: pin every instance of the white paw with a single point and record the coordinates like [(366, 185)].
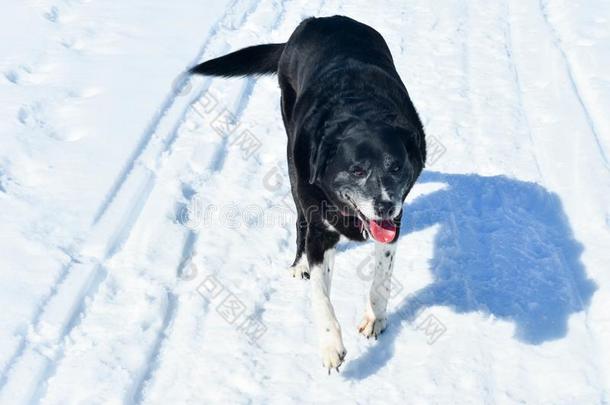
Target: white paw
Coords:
[(301, 269), (331, 348), (371, 326)]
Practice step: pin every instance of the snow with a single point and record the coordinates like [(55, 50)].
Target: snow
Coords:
[(135, 205)]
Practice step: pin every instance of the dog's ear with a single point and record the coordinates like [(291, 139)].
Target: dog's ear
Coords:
[(317, 159), (415, 144), (323, 147)]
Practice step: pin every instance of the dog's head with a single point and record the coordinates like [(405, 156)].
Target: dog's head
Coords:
[(367, 171)]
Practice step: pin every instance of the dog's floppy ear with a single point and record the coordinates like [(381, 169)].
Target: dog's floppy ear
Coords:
[(317, 159), (322, 147), (414, 142)]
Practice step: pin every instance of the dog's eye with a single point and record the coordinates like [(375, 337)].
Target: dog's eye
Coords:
[(395, 168), (358, 171)]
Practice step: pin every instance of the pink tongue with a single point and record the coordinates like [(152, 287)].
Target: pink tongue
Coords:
[(383, 231)]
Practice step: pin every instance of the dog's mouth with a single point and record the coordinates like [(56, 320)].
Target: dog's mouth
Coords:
[(382, 230)]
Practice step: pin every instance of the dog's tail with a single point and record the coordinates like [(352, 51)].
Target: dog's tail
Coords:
[(253, 60)]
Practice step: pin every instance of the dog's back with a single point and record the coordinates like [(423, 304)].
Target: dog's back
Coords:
[(319, 41), (330, 43)]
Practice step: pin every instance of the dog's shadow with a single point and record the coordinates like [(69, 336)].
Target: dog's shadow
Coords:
[(504, 247)]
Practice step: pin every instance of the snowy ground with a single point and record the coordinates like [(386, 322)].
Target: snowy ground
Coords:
[(135, 207)]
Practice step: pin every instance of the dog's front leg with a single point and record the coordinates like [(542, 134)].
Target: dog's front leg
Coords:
[(375, 319), (320, 254)]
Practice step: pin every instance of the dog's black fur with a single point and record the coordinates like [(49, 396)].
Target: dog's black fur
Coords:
[(353, 133)]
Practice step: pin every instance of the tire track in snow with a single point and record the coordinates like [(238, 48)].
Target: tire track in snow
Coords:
[(574, 293), (35, 321), (242, 101), (579, 98), (163, 111), (475, 28), (508, 46), (96, 276), (574, 86), (92, 276), (44, 345), (216, 166), (123, 234), (135, 395)]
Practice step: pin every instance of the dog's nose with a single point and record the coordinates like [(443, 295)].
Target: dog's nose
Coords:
[(384, 209)]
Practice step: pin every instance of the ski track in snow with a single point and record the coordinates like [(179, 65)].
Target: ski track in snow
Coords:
[(174, 347), (577, 93), (241, 103), (216, 167), (154, 125), (95, 272)]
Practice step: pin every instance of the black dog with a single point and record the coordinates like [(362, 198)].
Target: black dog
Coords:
[(355, 148)]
